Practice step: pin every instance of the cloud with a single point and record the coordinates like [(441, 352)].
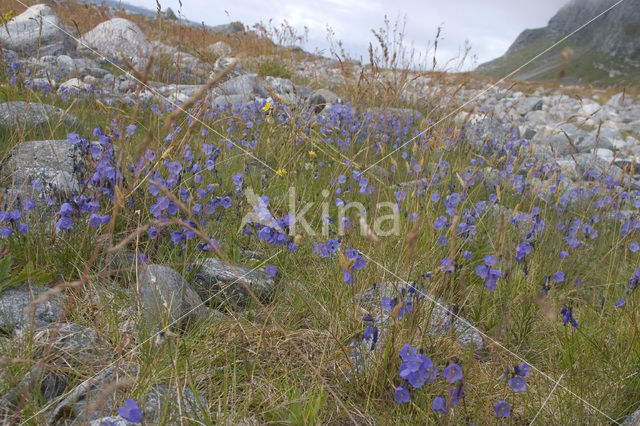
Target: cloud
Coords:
[(490, 26)]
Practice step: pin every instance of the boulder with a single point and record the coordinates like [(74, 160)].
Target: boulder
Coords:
[(281, 87), (47, 383), (221, 282), (86, 403), (527, 104), (73, 86), (57, 164), (73, 408), (166, 299), (184, 60), (228, 29), (72, 344), (23, 114), (439, 321), (117, 37), (220, 48), (35, 32), (13, 302), (246, 85), (323, 97), (222, 63), (593, 166)]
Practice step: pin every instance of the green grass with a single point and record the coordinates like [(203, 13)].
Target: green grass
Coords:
[(588, 65), (244, 365)]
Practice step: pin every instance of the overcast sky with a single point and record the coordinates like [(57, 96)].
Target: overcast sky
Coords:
[(489, 25)]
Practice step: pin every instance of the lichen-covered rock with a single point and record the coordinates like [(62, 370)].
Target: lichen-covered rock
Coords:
[(441, 321), (56, 164), (79, 406), (633, 419), (246, 85), (117, 37), (71, 344), (13, 302), (36, 31), (220, 282), (28, 115), (73, 408), (166, 299), (73, 86), (48, 384), (220, 48)]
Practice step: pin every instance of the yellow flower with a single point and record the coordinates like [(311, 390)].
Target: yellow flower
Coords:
[(312, 154), (267, 107), (281, 172)]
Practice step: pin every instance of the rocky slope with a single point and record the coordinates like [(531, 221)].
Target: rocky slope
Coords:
[(607, 51), (581, 139)]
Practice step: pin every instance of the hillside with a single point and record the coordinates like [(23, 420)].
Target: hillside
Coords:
[(605, 52), (207, 227)]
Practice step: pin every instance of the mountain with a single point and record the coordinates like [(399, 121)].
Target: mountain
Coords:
[(230, 28), (118, 4), (604, 52)]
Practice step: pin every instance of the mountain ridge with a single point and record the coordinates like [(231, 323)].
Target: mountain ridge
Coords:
[(606, 51)]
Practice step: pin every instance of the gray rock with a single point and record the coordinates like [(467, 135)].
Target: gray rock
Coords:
[(73, 86), (222, 63), (161, 396), (633, 419), (48, 383), (323, 97), (81, 405), (280, 86), (184, 60), (117, 37), (535, 117), (9, 55), (607, 139), (165, 298), (491, 132), (72, 344), (66, 61), (591, 166), (54, 162), (221, 282), (38, 30), (304, 92), (527, 104), (170, 15), (179, 90), (419, 183), (561, 143), (163, 48), (15, 299), (228, 29), (220, 48), (619, 100), (439, 320), (245, 85), (74, 406), (23, 114), (231, 100)]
